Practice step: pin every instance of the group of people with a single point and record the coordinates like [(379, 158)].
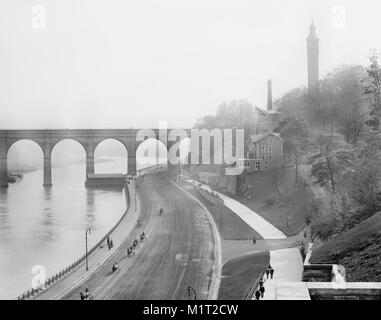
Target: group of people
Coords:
[(260, 292), (115, 266), (131, 250), (86, 295), (270, 271)]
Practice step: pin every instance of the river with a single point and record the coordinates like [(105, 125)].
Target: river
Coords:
[(46, 227)]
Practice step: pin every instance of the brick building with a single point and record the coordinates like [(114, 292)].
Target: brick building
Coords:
[(265, 151)]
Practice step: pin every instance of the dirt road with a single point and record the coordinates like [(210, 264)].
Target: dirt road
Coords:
[(178, 252)]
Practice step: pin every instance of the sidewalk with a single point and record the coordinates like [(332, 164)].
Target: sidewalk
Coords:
[(286, 284), (101, 255), (253, 219)]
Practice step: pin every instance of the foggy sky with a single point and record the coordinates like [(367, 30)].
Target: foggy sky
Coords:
[(120, 63)]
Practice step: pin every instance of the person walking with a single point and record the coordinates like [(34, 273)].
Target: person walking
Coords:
[(82, 295), (272, 272), (257, 295), (302, 252), (254, 241), (261, 283), (267, 272), (262, 291)]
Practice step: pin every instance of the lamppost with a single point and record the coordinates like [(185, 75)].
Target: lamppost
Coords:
[(88, 230)]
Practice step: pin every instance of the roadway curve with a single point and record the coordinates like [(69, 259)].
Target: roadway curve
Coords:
[(179, 251)]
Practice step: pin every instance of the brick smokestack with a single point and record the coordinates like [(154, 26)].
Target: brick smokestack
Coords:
[(269, 96)]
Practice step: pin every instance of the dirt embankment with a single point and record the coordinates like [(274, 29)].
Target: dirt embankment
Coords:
[(358, 250)]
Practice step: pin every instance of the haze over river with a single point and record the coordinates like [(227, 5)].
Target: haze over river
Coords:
[(46, 227)]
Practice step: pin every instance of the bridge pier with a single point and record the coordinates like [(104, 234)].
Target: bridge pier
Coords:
[(3, 170), (131, 165), (89, 165), (47, 171)]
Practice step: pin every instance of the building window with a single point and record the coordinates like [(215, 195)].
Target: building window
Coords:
[(263, 148), (258, 166), (270, 141), (270, 149), (270, 158), (263, 157), (251, 155)]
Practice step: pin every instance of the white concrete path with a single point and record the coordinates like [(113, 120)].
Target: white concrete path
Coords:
[(288, 269), (253, 219)]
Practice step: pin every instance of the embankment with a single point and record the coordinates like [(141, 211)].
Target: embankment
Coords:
[(358, 250)]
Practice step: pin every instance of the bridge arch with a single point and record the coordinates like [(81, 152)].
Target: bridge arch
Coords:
[(24, 149), (64, 152), (150, 152), (65, 140), (111, 148)]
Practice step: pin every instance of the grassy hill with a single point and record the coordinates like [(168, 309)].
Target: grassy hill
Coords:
[(276, 198), (240, 275), (358, 250)]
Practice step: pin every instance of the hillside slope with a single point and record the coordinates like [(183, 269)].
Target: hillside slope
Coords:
[(358, 250), (277, 199)]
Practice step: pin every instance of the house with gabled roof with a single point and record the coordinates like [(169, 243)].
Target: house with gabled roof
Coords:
[(266, 151)]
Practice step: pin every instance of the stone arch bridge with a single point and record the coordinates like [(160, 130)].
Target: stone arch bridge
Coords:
[(89, 139)]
